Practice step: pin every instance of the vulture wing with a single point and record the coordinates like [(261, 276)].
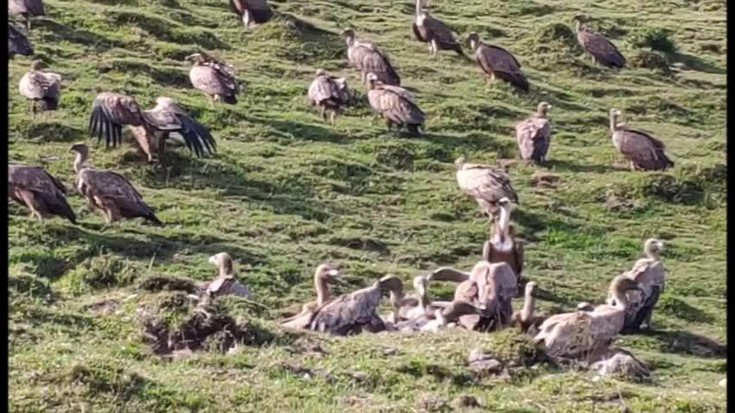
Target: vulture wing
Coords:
[(398, 106), (441, 33), (532, 136), (601, 49), (486, 182), (110, 112), (44, 188), (374, 60), (36, 85), (18, 43), (196, 136), (213, 80), (643, 149), (112, 188), (322, 89), (502, 64), (348, 313)]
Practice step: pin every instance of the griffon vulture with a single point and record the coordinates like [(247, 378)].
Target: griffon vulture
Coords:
[(26, 9), (18, 42), (214, 78), (429, 29), (503, 247), (368, 58), (534, 135), (497, 62), (485, 183), (39, 191), (395, 105), (330, 94), (598, 46), (251, 12), (226, 283), (324, 274), (643, 151)]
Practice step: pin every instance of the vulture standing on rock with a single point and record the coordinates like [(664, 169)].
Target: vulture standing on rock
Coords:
[(368, 58), (643, 151), (433, 31), (26, 9), (597, 45), (226, 283), (497, 62), (151, 128), (503, 247), (534, 135), (395, 105), (329, 93), (486, 184), (213, 77), (252, 12), (43, 89), (18, 42), (40, 191), (109, 192)]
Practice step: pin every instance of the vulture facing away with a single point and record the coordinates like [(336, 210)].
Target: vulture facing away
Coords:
[(43, 89), (643, 151), (18, 42), (486, 184), (433, 31), (226, 283), (214, 78), (329, 93), (368, 58), (598, 46), (151, 128), (252, 12), (534, 135), (109, 192), (503, 247), (395, 105), (26, 9), (324, 274), (497, 62), (39, 191)]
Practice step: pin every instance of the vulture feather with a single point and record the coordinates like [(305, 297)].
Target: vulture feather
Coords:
[(534, 135), (324, 274), (214, 78), (368, 58), (429, 29), (39, 191), (643, 151), (395, 105), (598, 46), (26, 9), (18, 42), (329, 93), (485, 183), (251, 11), (43, 89), (497, 62)]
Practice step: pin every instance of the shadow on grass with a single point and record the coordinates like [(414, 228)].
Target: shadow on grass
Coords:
[(683, 342), (62, 33), (558, 165)]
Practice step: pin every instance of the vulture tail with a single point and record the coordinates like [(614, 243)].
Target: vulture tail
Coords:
[(518, 80), (231, 99), (58, 205), (261, 16), (197, 137), (414, 130)]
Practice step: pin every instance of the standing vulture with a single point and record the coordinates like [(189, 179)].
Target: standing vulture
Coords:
[(108, 191), (534, 135), (329, 93), (18, 42), (213, 77), (498, 62), (503, 247), (151, 128), (40, 191), (43, 89), (395, 105), (368, 58), (26, 9), (597, 45), (643, 151), (486, 184), (251, 12), (429, 29)]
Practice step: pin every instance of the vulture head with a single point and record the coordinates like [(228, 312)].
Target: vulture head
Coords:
[(327, 272), (585, 306), (195, 58), (543, 109), (614, 116), (80, 149), (372, 79), (223, 262), (349, 36), (321, 72), (474, 40), (459, 163), (653, 247), (391, 283), (37, 65), (531, 288)]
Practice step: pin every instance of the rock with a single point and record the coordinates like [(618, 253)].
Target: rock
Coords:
[(429, 403), (483, 364), (465, 401), (622, 364)]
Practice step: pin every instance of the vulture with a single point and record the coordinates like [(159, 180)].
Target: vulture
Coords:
[(329, 93), (503, 247), (571, 335), (226, 283), (151, 128), (534, 135), (18, 42), (324, 274), (26, 9), (417, 305), (40, 191), (643, 151), (395, 105), (486, 184), (355, 312), (442, 317), (251, 12), (108, 191), (524, 319), (650, 274), (433, 31), (368, 58), (597, 45), (43, 89), (213, 77), (497, 62)]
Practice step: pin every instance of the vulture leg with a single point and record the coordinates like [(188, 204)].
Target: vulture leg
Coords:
[(332, 116), (433, 47), (211, 101), (389, 124), (246, 19), (322, 112), (632, 166)]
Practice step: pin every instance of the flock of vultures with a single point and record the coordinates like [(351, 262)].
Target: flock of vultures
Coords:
[(483, 297)]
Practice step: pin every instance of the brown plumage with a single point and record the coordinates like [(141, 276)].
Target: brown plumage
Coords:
[(251, 12), (18, 42), (329, 93), (39, 191), (26, 9), (324, 274), (109, 192), (534, 135), (485, 183), (503, 247), (225, 283), (497, 62), (151, 128), (368, 58), (395, 105), (43, 89), (643, 151), (214, 78), (429, 29), (598, 46)]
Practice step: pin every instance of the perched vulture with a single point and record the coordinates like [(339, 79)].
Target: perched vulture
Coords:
[(151, 128), (108, 191), (329, 93), (597, 45), (497, 62), (368, 58), (324, 274), (534, 135), (18, 42), (502, 246), (213, 77), (26, 9), (486, 184), (252, 12), (433, 31), (43, 89), (643, 151), (40, 191), (395, 105), (226, 283)]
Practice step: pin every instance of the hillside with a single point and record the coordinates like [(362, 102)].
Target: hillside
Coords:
[(286, 192)]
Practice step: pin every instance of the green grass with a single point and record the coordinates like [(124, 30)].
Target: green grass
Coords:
[(287, 192)]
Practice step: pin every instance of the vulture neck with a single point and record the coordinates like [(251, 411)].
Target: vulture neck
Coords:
[(226, 270), (613, 122), (79, 162), (621, 299), (322, 290), (579, 26), (423, 299), (502, 237), (420, 10), (529, 306), (653, 253)]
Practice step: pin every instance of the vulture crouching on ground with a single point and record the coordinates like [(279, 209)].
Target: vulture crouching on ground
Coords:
[(598, 46), (433, 31), (534, 135), (643, 151), (323, 276), (499, 63), (395, 105), (43, 89), (39, 191), (252, 12), (214, 78), (18, 42), (368, 58), (330, 94)]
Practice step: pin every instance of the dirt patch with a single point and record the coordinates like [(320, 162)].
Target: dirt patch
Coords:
[(165, 283)]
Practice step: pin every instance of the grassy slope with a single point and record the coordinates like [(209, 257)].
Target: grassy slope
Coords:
[(287, 192)]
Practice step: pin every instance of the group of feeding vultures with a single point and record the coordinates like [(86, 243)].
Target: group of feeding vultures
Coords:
[(483, 296)]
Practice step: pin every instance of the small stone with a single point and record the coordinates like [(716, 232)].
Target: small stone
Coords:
[(359, 376), (489, 366), (464, 401)]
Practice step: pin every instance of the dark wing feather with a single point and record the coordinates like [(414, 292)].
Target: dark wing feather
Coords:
[(18, 42), (44, 187), (397, 107), (441, 33), (417, 32), (196, 136), (348, 313), (644, 150), (601, 49), (502, 64), (377, 62), (110, 112)]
